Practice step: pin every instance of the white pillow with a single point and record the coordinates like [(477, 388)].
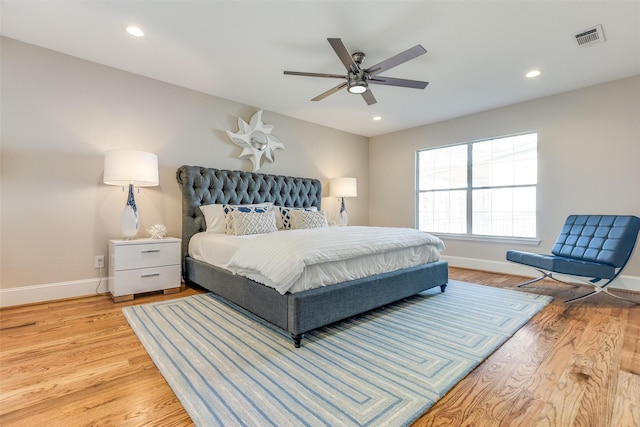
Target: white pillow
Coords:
[(307, 219), (284, 219), (214, 218), (252, 222)]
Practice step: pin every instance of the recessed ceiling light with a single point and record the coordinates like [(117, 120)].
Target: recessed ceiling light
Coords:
[(533, 73), (135, 31), (377, 118)]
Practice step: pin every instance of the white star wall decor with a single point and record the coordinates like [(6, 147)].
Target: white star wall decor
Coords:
[(256, 141)]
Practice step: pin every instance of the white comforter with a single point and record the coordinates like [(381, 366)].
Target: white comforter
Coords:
[(281, 259)]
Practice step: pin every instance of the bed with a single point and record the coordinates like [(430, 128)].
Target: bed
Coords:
[(295, 312)]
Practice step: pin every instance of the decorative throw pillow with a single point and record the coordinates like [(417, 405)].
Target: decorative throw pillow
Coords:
[(214, 218), (227, 209), (284, 220), (307, 219), (252, 222)]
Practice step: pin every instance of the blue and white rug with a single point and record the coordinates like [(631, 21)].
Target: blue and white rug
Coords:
[(384, 368)]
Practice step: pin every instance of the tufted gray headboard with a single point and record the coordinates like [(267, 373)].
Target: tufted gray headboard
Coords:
[(203, 186)]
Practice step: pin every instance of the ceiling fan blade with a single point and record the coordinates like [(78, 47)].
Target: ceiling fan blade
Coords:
[(398, 59), (330, 92), (390, 81), (343, 54), (368, 97), (302, 73)]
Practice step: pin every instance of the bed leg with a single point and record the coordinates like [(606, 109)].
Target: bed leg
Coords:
[(443, 287), (297, 338)]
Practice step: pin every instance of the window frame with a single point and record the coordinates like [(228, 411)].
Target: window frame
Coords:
[(469, 195)]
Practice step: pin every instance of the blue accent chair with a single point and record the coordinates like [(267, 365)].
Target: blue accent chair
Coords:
[(597, 247)]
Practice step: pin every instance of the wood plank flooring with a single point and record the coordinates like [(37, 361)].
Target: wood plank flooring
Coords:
[(571, 365), (77, 362)]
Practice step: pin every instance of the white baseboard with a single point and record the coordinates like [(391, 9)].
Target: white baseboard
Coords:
[(52, 291), (79, 288), (630, 283)]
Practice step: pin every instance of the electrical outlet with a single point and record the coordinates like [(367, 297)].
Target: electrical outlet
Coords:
[(99, 261)]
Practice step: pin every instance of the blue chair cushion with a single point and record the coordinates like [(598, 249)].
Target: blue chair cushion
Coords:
[(605, 239), (563, 265)]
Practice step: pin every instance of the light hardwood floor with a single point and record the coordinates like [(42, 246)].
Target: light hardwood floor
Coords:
[(77, 362)]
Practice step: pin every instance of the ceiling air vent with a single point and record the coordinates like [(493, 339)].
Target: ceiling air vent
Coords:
[(589, 37)]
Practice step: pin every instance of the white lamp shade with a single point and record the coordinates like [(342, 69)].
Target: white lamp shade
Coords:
[(343, 187), (124, 167)]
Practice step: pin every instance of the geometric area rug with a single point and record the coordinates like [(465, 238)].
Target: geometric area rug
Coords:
[(386, 367)]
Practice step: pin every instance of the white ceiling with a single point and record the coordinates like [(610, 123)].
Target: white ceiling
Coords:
[(477, 51)]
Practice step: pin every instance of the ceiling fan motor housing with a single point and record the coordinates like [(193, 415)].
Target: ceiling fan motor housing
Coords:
[(357, 83)]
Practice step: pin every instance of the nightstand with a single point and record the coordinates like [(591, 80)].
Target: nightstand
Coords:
[(143, 265)]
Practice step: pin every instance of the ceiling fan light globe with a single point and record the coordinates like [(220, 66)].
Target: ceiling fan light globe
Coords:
[(357, 87)]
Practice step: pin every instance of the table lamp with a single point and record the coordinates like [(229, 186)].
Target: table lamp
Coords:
[(343, 187), (132, 168)]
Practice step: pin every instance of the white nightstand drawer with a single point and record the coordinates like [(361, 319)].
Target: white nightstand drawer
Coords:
[(131, 256), (145, 280), (143, 265)]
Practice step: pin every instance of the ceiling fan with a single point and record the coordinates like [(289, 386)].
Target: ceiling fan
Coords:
[(358, 78)]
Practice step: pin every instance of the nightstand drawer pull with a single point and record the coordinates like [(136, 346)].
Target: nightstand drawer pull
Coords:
[(150, 275), (149, 251)]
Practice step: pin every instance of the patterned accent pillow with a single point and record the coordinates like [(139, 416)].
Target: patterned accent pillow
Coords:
[(284, 219), (243, 223), (307, 219), (228, 209)]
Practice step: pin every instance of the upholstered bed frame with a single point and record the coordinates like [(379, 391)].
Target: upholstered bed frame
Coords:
[(299, 312)]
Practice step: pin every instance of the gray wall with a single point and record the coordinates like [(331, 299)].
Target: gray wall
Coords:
[(60, 114), (588, 162)]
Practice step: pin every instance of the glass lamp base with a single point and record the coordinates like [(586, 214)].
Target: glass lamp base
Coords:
[(129, 222), (343, 219)]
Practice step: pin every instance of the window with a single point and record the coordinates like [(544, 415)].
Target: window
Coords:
[(483, 188)]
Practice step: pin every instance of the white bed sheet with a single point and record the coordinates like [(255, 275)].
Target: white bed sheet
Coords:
[(216, 248), (220, 249)]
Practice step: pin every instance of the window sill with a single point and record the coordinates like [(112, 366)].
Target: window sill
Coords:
[(490, 239)]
